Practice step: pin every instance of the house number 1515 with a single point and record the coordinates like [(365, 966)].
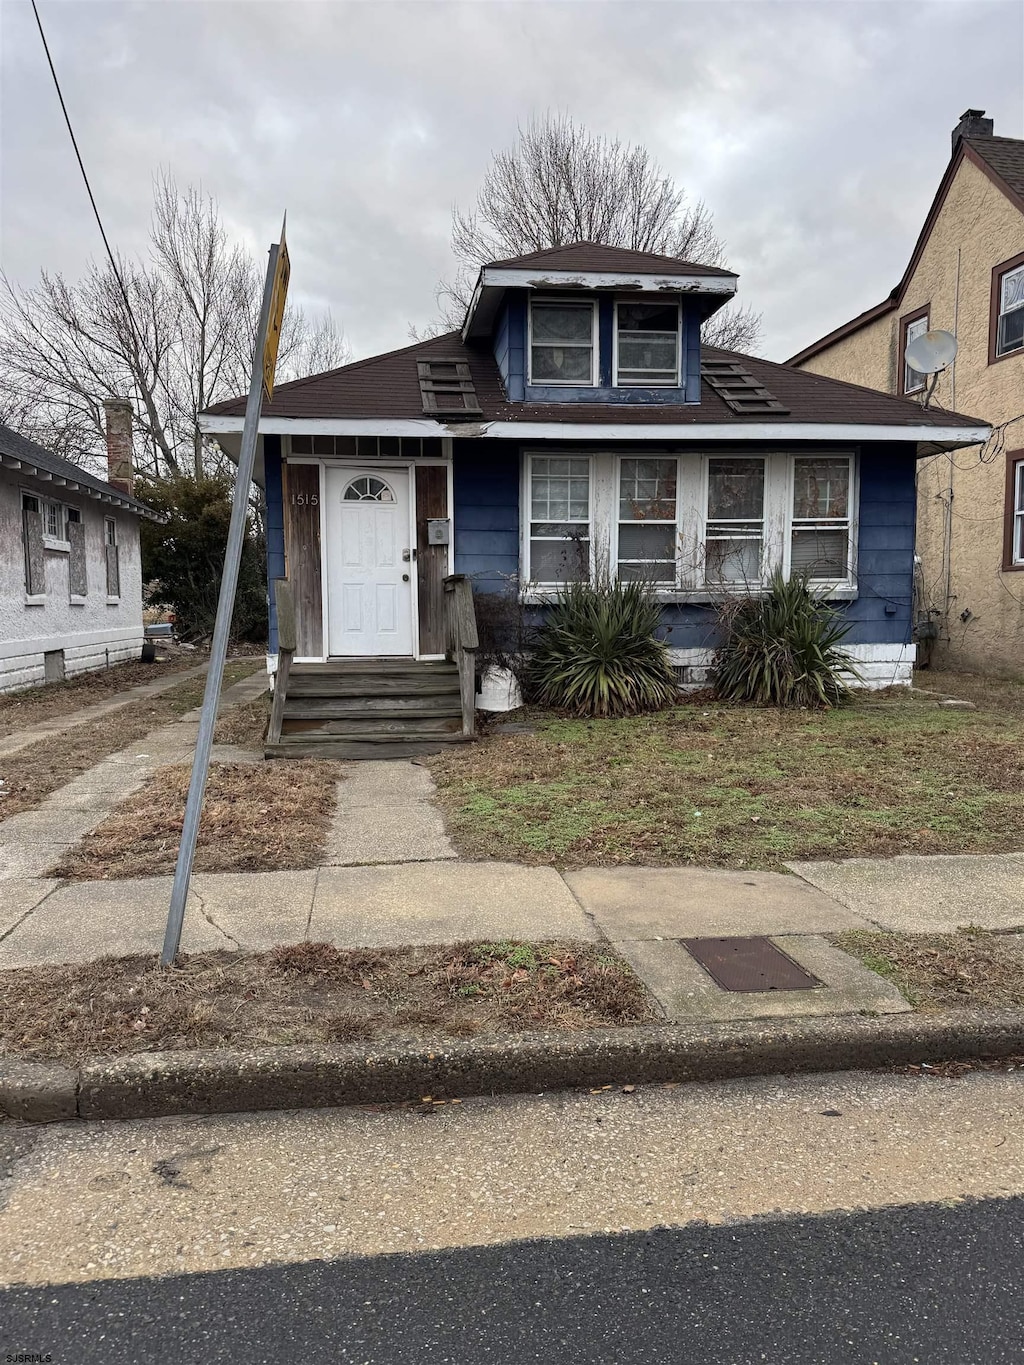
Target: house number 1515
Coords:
[(305, 500)]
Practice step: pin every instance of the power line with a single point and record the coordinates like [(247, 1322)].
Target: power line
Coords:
[(81, 166)]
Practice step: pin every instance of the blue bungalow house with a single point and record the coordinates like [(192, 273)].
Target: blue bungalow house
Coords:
[(575, 427)]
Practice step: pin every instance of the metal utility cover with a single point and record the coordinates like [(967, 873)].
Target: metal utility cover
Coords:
[(749, 964)]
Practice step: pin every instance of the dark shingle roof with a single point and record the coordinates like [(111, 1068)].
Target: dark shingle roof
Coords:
[(27, 452), (1005, 155), (387, 386), (613, 259)]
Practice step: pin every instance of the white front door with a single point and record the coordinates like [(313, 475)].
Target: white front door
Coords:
[(369, 568)]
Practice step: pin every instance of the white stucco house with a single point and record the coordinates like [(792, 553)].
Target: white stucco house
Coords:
[(70, 566)]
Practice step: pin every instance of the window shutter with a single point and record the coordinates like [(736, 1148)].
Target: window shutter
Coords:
[(113, 572), (35, 561), (78, 581)]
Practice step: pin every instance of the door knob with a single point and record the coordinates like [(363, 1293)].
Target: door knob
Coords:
[(405, 578)]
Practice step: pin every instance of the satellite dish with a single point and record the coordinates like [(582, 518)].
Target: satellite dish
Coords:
[(931, 352)]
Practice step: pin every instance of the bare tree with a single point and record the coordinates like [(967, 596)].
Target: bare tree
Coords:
[(561, 183), (186, 340)]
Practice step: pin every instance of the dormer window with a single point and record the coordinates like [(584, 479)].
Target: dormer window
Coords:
[(563, 342), (647, 344)]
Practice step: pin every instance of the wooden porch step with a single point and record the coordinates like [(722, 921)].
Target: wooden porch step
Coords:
[(374, 668), (372, 685), (371, 727), (383, 708), (337, 747)]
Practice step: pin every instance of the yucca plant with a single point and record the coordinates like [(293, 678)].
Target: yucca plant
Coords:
[(782, 648), (596, 653)]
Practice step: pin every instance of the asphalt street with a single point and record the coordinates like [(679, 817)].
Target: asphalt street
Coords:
[(893, 1286), (858, 1218)]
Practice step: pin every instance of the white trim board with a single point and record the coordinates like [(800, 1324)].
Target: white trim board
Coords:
[(502, 277), (598, 432), (34, 644)]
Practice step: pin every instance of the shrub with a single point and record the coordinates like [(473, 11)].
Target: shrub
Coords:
[(506, 635), (596, 653), (183, 560), (782, 649)]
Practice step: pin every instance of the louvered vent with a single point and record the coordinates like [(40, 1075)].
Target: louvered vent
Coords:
[(447, 387), (738, 388)]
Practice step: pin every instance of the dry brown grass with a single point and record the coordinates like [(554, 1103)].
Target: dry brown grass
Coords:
[(256, 818), (314, 993), (941, 971), (737, 786), (53, 700), (245, 726), (31, 774)]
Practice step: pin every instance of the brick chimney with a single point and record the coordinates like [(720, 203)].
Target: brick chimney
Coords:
[(973, 123), (119, 444)]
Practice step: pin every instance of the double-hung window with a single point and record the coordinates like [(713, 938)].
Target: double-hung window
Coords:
[(648, 524), (562, 342), (560, 535), (820, 534), (1015, 558), (647, 343), (913, 380), (1009, 311), (734, 535)]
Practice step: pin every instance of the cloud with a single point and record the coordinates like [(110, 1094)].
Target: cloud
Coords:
[(815, 132)]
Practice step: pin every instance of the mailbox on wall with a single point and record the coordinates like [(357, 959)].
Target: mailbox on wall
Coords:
[(438, 531)]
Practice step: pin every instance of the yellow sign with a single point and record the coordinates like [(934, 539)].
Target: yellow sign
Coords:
[(282, 274)]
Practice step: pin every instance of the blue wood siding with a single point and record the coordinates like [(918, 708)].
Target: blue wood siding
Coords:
[(486, 489), (487, 485), (275, 529)]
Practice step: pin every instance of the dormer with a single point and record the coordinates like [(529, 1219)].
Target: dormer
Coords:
[(596, 324)]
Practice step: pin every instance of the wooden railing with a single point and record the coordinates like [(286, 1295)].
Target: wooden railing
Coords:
[(285, 652), (463, 643)]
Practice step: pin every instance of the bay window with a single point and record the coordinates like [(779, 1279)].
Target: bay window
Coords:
[(647, 343), (734, 537), (562, 349), (559, 498), (647, 525), (820, 537)]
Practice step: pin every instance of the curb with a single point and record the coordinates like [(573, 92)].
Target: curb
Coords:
[(153, 1084)]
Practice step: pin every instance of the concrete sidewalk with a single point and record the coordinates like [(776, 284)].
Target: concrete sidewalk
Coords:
[(642, 913)]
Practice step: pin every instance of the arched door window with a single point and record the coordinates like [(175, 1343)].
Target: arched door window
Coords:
[(368, 488)]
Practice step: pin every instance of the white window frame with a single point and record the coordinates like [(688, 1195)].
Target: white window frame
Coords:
[(1002, 312), (60, 542), (594, 344), (676, 381), (913, 380), (726, 585), (1017, 516), (692, 486), (620, 457), (540, 587), (849, 522)]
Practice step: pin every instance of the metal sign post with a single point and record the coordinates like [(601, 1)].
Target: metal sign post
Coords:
[(267, 337)]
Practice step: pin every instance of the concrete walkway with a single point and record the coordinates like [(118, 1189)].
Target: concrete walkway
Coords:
[(56, 725), (385, 814), (36, 840)]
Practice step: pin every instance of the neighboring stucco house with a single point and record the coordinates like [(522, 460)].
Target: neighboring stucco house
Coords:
[(965, 276), (70, 571), (575, 427)]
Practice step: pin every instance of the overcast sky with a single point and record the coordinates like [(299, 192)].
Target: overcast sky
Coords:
[(816, 132)]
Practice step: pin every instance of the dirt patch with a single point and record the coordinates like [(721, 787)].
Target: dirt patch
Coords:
[(735, 786), (972, 968), (256, 818), (314, 993), (244, 726), (21, 709), (30, 775)]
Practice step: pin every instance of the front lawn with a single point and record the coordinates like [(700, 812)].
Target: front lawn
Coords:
[(733, 786)]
